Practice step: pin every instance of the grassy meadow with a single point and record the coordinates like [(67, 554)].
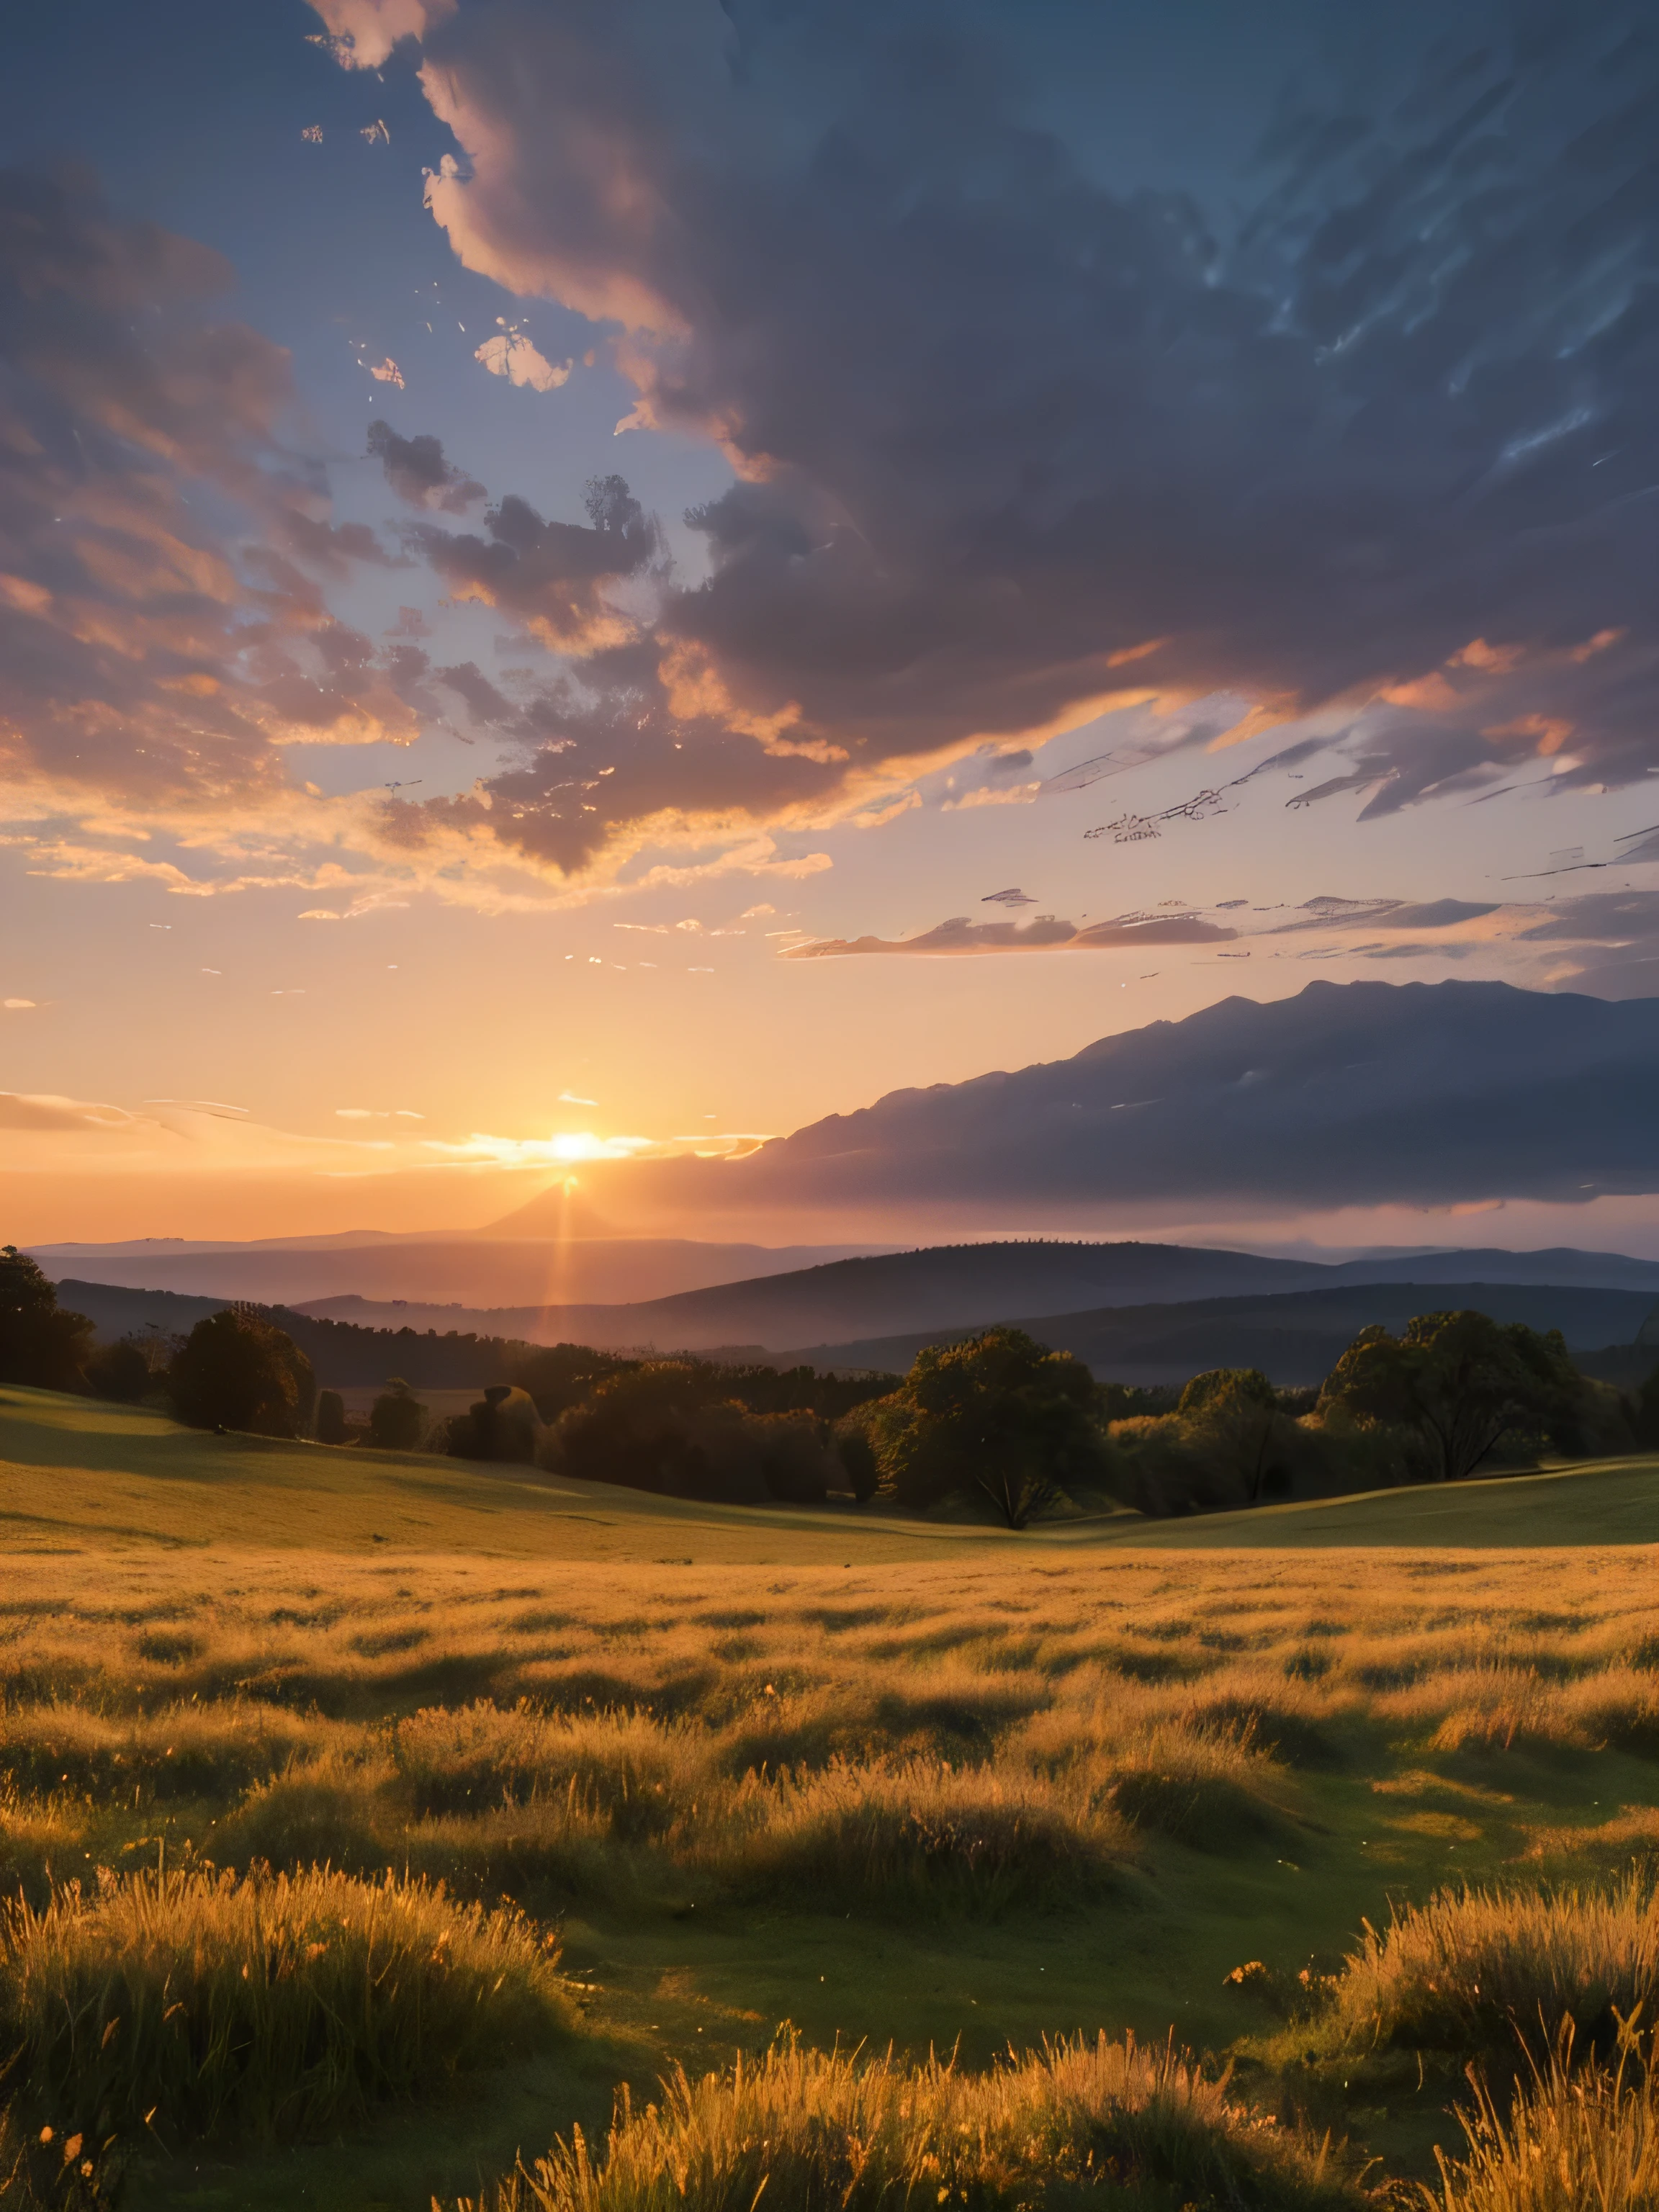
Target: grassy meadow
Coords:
[(369, 1819)]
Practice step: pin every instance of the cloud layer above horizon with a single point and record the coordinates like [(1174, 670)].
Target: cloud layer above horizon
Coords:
[(1374, 448)]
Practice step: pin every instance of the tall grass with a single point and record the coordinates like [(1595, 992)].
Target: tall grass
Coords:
[(1472, 1969), (275, 2005), (1580, 2138), (807, 2131)]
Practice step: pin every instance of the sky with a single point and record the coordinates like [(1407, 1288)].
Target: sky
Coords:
[(584, 579)]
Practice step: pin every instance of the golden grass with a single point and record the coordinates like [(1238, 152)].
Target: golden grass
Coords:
[(808, 2130), (194, 2002), (1479, 1971), (1580, 2138), (979, 1733)]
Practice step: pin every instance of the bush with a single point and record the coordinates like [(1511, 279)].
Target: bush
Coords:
[(238, 1372), (275, 2005), (331, 1419), (658, 1427), (119, 1371), (397, 1418), (799, 2130), (40, 1344), (502, 1424)]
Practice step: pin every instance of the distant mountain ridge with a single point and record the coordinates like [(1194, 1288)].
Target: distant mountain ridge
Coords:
[(1347, 1094), (938, 1291)]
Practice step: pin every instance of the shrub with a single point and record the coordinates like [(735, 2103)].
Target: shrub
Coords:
[(39, 1343), (804, 2130), (236, 1370), (331, 1419), (119, 1371), (274, 2004), (397, 1418)]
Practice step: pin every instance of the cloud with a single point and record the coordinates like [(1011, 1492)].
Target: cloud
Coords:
[(164, 641), (417, 472), (44, 1111), (510, 354), (1013, 449), (1605, 942), (363, 32), (1043, 934)]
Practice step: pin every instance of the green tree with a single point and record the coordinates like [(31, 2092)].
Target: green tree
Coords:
[(1235, 1415), (999, 1417), (395, 1418), (1462, 1379), (237, 1370), (40, 1344)]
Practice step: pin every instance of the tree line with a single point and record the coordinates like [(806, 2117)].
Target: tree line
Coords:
[(998, 1419)]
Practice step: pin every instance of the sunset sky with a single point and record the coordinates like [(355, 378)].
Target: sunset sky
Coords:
[(582, 577)]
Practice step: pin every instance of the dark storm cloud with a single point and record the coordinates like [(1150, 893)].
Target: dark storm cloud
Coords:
[(417, 472), (1011, 442)]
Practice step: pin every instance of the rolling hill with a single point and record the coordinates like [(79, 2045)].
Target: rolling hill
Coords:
[(1296, 1337)]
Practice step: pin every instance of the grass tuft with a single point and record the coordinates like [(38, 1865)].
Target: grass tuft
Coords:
[(197, 2002), (1578, 2139), (805, 2131), (1472, 1969)]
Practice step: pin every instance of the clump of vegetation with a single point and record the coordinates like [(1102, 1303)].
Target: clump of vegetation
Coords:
[(999, 1417), (1576, 2135), (668, 1426), (1468, 1972), (1463, 1383), (332, 1427), (802, 2128), (40, 1344), (274, 2005), (396, 1418), (238, 1371)]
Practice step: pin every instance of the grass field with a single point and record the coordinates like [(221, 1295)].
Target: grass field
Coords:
[(886, 1780)]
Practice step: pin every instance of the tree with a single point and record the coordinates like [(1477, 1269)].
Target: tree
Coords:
[(331, 1419), (119, 1371), (1237, 1414), (40, 1344), (1462, 1379), (1000, 1417), (395, 1418), (237, 1370)]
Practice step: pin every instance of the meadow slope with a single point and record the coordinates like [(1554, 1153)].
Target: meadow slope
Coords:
[(886, 1781)]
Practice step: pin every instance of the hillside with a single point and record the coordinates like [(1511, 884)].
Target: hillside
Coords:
[(489, 1269), (916, 1295), (1296, 1337), (73, 1471)]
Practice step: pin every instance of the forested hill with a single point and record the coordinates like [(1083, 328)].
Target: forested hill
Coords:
[(343, 1355)]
